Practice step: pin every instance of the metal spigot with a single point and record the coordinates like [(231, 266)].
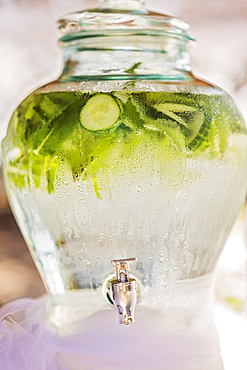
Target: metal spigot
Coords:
[(124, 291)]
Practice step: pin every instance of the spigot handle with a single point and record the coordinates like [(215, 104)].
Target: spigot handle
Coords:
[(121, 267)]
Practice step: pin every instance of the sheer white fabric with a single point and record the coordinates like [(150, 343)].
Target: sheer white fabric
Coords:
[(29, 342)]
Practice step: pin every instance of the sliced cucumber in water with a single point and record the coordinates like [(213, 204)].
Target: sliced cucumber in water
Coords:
[(100, 113), (191, 118)]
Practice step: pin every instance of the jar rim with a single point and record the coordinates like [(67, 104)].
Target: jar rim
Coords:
[(95, 21)]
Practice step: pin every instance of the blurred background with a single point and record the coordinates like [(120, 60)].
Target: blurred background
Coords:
[(30, 57)]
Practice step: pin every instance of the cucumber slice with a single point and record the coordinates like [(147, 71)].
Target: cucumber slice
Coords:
[(191, 118), (99, 113)]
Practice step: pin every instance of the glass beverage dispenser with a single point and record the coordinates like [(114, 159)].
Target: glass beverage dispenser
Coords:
[(125, 176)]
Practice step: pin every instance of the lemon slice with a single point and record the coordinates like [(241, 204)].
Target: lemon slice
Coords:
[(99, 113)]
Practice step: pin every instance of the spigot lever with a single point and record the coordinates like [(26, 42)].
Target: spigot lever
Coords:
[(122, 267)]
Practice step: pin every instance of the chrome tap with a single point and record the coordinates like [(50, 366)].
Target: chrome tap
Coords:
[(124, 291)]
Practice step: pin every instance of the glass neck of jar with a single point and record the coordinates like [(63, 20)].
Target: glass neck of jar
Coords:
[(118, 55)]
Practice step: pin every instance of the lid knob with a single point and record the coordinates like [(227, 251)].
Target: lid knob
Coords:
[(135, 5)]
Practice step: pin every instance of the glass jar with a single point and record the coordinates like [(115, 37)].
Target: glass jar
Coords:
[(127, 155)]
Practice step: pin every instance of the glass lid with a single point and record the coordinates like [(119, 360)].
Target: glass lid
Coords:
[(124, 16)]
